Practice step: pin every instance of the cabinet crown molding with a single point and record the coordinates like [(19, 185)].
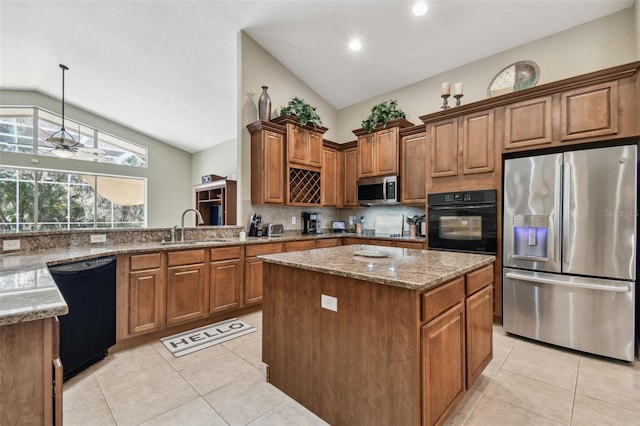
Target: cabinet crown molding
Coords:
[(292, 119), (396, 122)]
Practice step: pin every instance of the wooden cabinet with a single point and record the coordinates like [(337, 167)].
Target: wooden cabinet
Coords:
[(146, 294), (187, 294), (350, 177), (378, 153), (268, 165), (409, 244), (304, 146), (226, 272), (253, 270), (528, 123), (327, 242), (216, 202), (332, 176), (479, 322), (589, 112), (413, 165), (300, 245), (30, 373)]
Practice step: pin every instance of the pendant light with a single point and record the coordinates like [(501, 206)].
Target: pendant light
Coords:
[(63, 139)]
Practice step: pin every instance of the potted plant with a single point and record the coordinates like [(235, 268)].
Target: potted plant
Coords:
[(306, 114), (382, 113)]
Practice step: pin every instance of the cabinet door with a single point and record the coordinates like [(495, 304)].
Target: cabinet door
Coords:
[(297, 145), (225, 281), (527, 123), (146, 300), (442, 365), (329, 179), (252, 281), (477, 142), (414, 169), (386, 152), (274, 168), (366, 155), (314, 142), (479, 332), (350, 177), (444, 148), (589, 112), (186, 293)]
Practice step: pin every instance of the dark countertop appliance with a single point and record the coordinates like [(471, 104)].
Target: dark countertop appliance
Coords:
[(463, 221), (87, 332), (311, 223)]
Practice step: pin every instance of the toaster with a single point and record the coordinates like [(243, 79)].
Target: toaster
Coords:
[(275, 229)]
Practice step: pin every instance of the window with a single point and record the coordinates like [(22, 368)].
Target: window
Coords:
[(17, 134), (35, 199)]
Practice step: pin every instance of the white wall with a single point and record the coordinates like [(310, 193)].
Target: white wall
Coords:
[(218, 160), (599, 44), (168, 173)]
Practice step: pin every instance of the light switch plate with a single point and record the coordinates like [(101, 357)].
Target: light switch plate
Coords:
[(293, 220), (10, 245), (329, 302), (98, 238)]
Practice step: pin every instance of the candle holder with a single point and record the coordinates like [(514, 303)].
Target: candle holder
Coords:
[(445, 104), (458, 96)]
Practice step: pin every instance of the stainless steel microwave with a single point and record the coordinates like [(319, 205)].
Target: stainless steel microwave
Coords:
[(379, 190)]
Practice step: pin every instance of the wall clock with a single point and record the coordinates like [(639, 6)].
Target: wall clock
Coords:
[(517, 76)]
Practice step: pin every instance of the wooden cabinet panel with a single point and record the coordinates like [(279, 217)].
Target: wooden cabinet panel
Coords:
[(379, 242), (477, 142), (366, 156), (479, 279), (386, 152), (437, 301), (186, 257), (413, 171), (329, 185), (299, 245), (186, 293), (346, 241), (265, 248), (528, 123), (268, 166), (479, 333), (146, 301), (226, 253), (252, 280), (444, 148), (315, 149), (589, 112), (350, 177), (297, 146), (409, 245), (327, 242), (225, 282), (443, 378), (145, 261)]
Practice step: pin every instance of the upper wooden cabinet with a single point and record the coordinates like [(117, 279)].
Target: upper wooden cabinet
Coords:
[(477, 142), (350, 176), (413, 165), (332, 175), (444, 148), (304, 146), (527, 123), (268, 166), (589, 112), (378, 151)]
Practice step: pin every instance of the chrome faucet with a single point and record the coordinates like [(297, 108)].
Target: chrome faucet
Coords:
[(200, 221)]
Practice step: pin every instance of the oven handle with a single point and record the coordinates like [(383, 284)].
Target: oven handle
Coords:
[(484, 206), (539, 280)]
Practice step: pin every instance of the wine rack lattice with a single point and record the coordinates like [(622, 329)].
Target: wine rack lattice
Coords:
[(304, 186)]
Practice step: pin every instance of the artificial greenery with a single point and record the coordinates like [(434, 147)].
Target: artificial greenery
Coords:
[(382, 113), (306, 114)]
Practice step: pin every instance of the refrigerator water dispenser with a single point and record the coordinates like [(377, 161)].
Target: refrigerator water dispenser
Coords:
[(530, 237)]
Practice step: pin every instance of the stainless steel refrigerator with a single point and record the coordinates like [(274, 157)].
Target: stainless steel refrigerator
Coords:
[(569, 249)]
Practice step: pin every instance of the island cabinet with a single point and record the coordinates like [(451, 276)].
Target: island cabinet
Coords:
[(253, 270), (401, 362), (146, 299), (479, 322), (187, 294), (350, 177), (378, 151), (413, 165), (226, 274), (268, 163), (30, 373)]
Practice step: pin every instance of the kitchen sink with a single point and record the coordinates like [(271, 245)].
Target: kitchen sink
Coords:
[(199, 242)]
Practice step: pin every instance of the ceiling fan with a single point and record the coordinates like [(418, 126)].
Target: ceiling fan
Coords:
[(63, 143)]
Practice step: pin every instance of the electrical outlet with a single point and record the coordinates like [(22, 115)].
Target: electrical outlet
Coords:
[(293, 220), (329, 302), (10, 245), (98, 238)]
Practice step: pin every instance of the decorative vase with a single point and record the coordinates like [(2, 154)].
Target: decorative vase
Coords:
[(264, 105)]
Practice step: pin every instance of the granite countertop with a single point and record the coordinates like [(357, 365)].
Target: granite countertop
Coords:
[(408, 268), (27, 291)]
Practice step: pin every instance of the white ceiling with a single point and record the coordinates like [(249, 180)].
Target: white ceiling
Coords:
[(168, 68)]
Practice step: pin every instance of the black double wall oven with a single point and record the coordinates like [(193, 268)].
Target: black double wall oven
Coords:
[(463, 221)]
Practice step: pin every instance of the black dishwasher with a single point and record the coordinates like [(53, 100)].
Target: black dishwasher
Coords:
[(89, 329)]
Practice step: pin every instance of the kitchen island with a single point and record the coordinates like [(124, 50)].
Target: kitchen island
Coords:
[(366, 335)]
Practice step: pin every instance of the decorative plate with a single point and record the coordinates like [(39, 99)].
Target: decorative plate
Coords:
[(370, 253), (517, 76)]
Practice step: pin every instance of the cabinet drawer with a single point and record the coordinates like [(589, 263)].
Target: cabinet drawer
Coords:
[(376, 242), (299, 245), (346, 241), (145, 261), (409, 245), (479, 279), (437, 301), (186, 257), (226, 253), (258, 249), (329, 242)]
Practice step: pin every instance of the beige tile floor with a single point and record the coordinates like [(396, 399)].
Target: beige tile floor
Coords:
[(527, 383)]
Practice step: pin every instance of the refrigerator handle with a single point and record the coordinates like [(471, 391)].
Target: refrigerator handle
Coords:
[(540, 280), (556, 206), (566, 214)]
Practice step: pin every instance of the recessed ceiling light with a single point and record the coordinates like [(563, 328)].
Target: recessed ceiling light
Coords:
[(420, 8), (355, 45)]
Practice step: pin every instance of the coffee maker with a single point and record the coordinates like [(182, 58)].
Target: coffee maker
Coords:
[(311, 223)]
